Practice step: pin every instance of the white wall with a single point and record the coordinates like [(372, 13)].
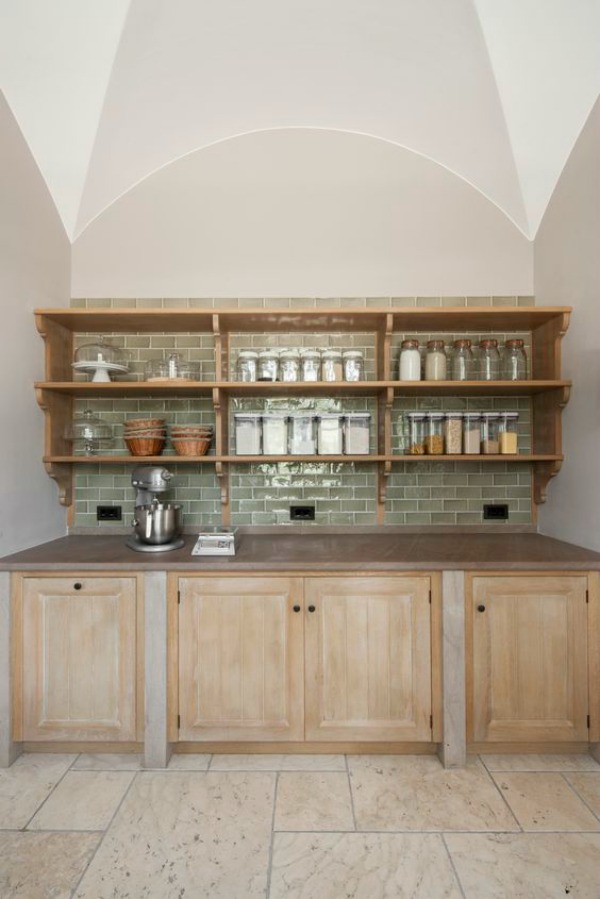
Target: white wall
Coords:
[(567, 270), (300, 212), (34, 271)]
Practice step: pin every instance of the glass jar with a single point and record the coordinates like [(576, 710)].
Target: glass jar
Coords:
[(354, 365), (172, 368), (453, 433), (310, 364), (489, 360), (329, 434), (274, 434), (490, 422), (356, 433), (514, 361), (88, 433), (436, 364), (417, 432), (410, 361), (289, 365), (268, 365), (246, 366), (472, 433), (508, 436), (434, 441), (331, 365), (462, 360), (248, 433), (302, 436)]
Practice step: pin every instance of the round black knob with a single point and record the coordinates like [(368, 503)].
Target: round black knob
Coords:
[(481, 608), (77, 586), (312, 608), (296, 608)]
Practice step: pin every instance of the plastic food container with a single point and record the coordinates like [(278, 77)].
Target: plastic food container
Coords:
[(356, 433), (472, 433), (453, 433), (248, 433), (490, 443), (434, 441), (246, 366), (310, 363), (275, 434), (417, 433), (302, 435), (329, 434), (331, 365), (507, 433), (353, 365)]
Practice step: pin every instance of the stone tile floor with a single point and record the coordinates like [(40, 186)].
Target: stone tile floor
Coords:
[(300, 827)]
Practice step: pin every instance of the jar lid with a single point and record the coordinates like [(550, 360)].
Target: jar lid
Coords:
[(275, 416), (462, 342), (515, 342), (490, 415), (330, 415), (409, 344), (289, 354), (249, 415), (436, 415), (331, 354), (435, 344), (488, 342), (312, 354), (248, 354), (472, 415), (514, 415), (88, 427), (454, 414), (352, 354), (417, 415), (264, 354), (354, 416)]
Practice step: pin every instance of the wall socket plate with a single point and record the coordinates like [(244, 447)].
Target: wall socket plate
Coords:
[(109, 513), (302, 513), (495, 511)]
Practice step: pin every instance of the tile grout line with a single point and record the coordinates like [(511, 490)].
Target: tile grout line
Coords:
[(272, 840), (503, 797), (45, 800), (452, 865), (351, 793), (581, 799)]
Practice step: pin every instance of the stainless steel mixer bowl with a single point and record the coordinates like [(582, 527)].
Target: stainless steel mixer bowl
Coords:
[(158, 522)]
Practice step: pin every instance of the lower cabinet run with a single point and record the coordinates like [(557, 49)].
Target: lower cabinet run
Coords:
[(75, 658), (293, 659)]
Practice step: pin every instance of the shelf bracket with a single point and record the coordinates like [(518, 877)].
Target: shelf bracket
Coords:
[(221, 473), (62, 474), (385, 469), (542, 475)]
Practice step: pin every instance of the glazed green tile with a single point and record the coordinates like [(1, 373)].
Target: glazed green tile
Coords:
[(454, 301), (107, 495), (77, 303), (148, 303), (456, 505), (443, 518), (418, 492), (526, 301), (418, 518), (492, 493), (468, 492), (468, 517), (479, 301), (430, 480), (104, 303), (504, 301), (403, 302)]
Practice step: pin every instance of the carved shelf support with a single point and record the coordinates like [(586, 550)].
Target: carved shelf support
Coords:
[(62, 473), (542, 475)]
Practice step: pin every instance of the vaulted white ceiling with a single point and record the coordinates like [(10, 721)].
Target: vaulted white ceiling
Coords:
[(108, 93)]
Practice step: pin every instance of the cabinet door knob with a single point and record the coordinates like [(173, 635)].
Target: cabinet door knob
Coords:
[(312, 608), (481, 608), (296, 608), (77, 586)]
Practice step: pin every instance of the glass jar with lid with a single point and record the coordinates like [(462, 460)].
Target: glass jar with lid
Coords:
[(434, 441), (331, 365), (508, 436), (417, 433), (310, 364), (490, 422), (88, 433), (354, 365), (472, 433), (172, 368), (289, 365), (436, 364), (268, 365), (462, 360), (453, 433), (246, 367), (514, 361), (489, 360), (410, 360)]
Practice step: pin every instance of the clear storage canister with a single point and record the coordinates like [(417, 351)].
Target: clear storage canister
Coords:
[(248, 433), (462, 360), (436, 364), (472, 433), (289, 365), (434, 441), (331, 365), (453, 433), (410, 360), (310, 365), (268, 365), (356, 433), (302, 434), (508, 437), (329, 434), (354, 365), (489, 360), (514, 361), (489, 433), (417, 433), (246, 369), (274, 434)]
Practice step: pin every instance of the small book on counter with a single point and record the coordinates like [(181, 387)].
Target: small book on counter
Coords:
[(216, 542)]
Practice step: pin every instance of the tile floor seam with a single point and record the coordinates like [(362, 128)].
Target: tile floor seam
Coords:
[(504, 799), (351, 793), (577, 793), (45, 800), (272, 840), (453, 866)]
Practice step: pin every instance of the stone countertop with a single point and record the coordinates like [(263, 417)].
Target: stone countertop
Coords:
[(346, 552)]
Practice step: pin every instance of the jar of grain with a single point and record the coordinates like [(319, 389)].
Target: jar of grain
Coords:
[(489, 433), (410, 361), (248, 433), (436, 364), (508, 438), (489, 360), (453, 433), (434, 441), (331, 365), (462, 360), (274, 433), (356, 433), (354, 365), (302, 434), (310, 364), (329, 434), (472, 433), (417, 432)]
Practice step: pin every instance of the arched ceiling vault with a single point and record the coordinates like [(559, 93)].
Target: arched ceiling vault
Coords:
[(106, 94)]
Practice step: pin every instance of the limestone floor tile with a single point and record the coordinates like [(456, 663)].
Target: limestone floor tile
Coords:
[(361, 866), (533, 762), (587, 785), (527, 865), (267, 762), (109, 761), (313, 801), (545, 802), (43, 865), (83, 800), (25, 785), (194, 761), (416, 793), (186, 834)]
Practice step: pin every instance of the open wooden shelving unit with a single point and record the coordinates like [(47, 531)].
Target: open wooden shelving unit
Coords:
[(548, 391)]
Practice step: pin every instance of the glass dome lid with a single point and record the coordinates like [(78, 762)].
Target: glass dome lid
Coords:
[(101, 358), (88, 432)]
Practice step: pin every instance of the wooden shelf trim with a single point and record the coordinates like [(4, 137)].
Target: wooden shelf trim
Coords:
[(241, 460)]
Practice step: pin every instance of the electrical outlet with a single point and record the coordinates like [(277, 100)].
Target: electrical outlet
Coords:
[(302, 513), (109, 513), (495, 511)]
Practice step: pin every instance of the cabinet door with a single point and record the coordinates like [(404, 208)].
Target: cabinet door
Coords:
[(240, 659), (368, 659), (79, 658), (529, 659)]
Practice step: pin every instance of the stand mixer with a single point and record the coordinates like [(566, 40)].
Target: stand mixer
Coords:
[(157, 525)]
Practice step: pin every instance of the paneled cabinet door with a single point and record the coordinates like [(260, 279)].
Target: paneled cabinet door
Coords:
[(79, 658), (240, 658), (529, 659), (368, 659)]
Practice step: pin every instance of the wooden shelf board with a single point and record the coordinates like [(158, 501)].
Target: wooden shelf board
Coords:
[(128, 388), (475, 388), (211, 459)]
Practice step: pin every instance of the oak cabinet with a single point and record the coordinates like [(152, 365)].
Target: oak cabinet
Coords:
[(76, 659), (527, 658)]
